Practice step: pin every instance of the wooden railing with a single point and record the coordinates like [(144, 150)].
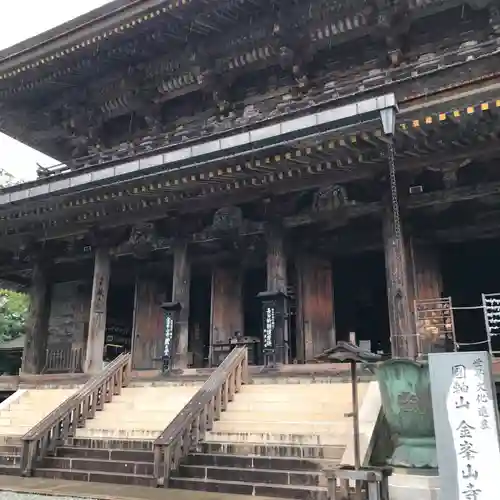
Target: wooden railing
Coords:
[(189, 427), (72, 413), (64, 359)]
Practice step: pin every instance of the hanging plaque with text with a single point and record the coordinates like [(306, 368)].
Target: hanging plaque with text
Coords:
[(466, 422)]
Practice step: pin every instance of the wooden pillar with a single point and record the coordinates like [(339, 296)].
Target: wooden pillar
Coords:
[(315, 313), (276, 266), (227, 302), (276, 262), (147, 346), (180, 294), (428, 285), (399, 293), (97, 320), (37, 326), (426, 270)]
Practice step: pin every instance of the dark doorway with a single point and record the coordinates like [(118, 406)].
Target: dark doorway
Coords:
[(199, 317), (469, 270), (254, 282), (360, 299), (119, 318)]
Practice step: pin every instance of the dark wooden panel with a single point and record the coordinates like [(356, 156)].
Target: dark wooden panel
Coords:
[(148, 324), (227, 303), (315, 325)]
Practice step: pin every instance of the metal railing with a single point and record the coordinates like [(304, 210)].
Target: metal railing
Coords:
[(196, 418), (61, 423)]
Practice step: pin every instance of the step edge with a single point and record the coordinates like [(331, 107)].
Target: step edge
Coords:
[(100, 460), (119, 474), (280, 471), (267, 485)]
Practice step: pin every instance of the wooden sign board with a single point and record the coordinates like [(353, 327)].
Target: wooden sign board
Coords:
[(465, 412)]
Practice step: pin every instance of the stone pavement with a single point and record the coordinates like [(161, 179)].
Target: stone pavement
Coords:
[(101, 491)]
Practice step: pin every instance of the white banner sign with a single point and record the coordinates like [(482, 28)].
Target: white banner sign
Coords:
[(466, 422)]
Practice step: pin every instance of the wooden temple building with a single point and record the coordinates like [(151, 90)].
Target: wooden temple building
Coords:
[(225, 176)]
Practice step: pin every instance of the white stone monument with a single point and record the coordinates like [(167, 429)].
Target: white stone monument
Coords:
[(466, 421)]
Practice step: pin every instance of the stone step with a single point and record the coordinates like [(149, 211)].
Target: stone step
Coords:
[(273, 406), (94, 476), (254, 489), (292, 397), (110, 444), (120, 455), (139, 422), (11, 460), (334, 452), (149, 416), (108, 466), (282, 415), (10, 470), (257, 462), (109, 433), (277, 438), (15, 429), (10, 440), (252, 475), (226, 424), (148, 406)]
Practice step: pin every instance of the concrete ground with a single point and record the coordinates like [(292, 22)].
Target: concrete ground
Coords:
[(14, 488)]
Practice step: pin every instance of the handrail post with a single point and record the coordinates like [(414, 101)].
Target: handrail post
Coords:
[(62, 422), (197, 417)]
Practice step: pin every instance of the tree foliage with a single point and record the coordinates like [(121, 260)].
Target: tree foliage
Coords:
[(14, 308)]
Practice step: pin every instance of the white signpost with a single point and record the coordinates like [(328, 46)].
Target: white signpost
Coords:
[(465, 412)]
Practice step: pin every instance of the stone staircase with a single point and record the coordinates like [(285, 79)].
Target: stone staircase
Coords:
[(274, 440), (18, 414), (116, 446)]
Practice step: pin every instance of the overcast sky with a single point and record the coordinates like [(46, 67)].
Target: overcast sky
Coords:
[(21, 19)]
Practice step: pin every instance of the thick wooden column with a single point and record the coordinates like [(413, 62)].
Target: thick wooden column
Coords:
[(428, 286), (276, 261), (180, 294), (315, 313), (97, 320), (277, 283), (37, 326), (399, 291), (426, 270), (227, 302)]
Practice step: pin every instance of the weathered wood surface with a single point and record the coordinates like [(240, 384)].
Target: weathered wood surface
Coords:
[(277, 281), (227, 302), (402, 326), (427, 277), (180, 293), (427, 284), (188, 428), (148, 324), (61, 423), (315, 307), (97, 320), (37, 326), (69, 314), (276, 261)]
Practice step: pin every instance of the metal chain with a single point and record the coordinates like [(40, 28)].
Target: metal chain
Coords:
[(394, 198), (397, 276)]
